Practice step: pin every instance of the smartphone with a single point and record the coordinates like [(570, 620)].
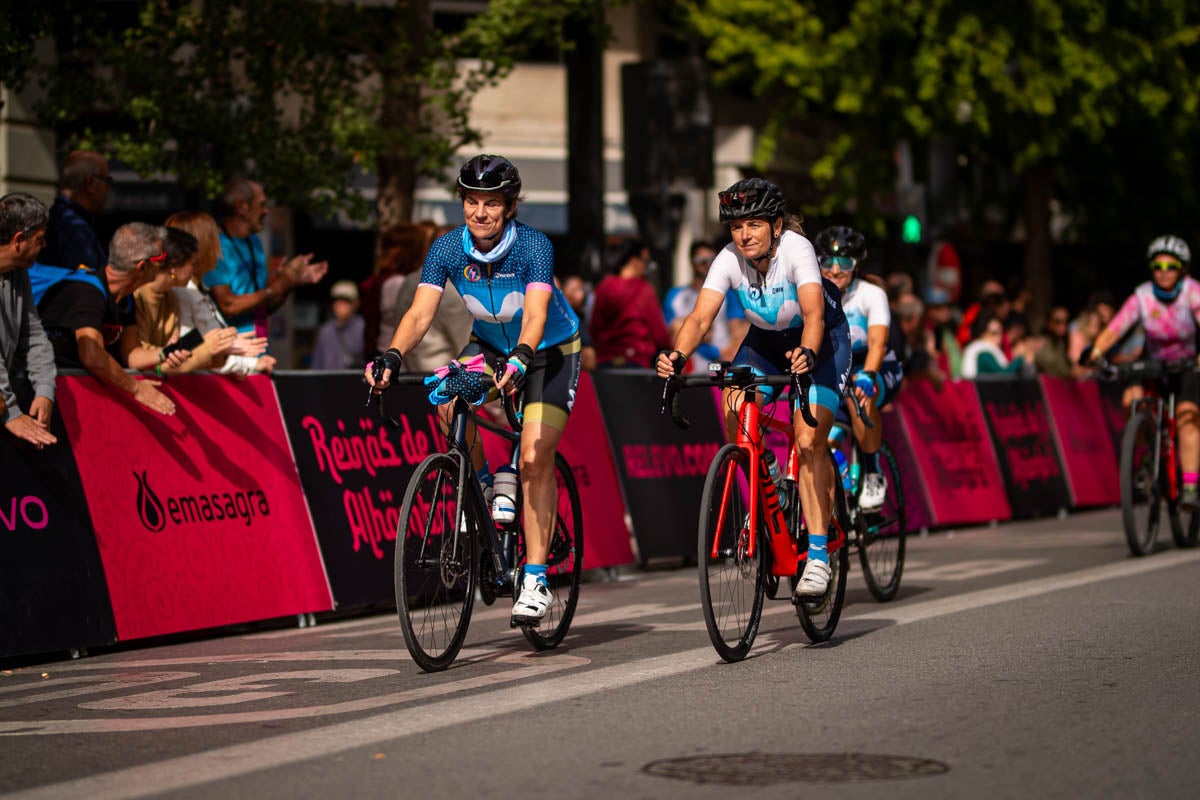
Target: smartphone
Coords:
[(189, 341)]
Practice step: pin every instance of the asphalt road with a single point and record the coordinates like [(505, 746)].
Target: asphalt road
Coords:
[(1030, 660)]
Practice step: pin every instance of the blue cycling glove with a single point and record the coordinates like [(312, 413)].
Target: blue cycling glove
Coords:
[(865, 380)]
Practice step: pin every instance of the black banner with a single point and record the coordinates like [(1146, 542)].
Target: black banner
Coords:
[(1020, 428), (662, 467), (53, 594), (354, 469)]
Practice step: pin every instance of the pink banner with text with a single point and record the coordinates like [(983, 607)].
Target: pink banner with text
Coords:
[(199, 516)]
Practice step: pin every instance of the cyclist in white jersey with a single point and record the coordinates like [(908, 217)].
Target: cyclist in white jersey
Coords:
[(876, 372), (796, 325)]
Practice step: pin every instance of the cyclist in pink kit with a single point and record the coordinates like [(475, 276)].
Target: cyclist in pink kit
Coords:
[(1168, 306)]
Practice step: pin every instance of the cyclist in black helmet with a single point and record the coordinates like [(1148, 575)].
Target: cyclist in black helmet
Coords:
[(796, 325), (504, 271), (875, 368)]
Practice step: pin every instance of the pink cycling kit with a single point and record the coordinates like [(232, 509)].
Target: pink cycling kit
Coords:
[(1170, 327)]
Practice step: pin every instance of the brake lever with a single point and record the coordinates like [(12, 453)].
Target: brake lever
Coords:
[(800, 386)]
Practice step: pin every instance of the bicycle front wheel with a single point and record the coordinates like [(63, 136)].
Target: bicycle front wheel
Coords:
[(1140, 484), (436, 564), (732, 583), (819, 616), (564, 564), (881, 535)]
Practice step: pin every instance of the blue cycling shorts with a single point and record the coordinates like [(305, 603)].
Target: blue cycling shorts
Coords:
[(765, 351)]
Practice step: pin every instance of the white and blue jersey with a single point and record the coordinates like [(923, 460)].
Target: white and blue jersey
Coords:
[(771, 303), (865, 306), (495, 292)]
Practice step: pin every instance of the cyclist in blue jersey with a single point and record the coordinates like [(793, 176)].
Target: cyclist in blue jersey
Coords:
[(796, 325), (876, 370), (504, 271)]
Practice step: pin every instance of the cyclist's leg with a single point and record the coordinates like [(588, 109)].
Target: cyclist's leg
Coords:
[(549, 395)]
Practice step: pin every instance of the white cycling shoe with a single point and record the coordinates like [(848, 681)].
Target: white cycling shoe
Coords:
[(873, 492), (814, 581), (532, 604)]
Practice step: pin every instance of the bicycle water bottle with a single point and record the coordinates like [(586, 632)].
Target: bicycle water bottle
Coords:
[(776, 477), (506, 491), (847, 478)]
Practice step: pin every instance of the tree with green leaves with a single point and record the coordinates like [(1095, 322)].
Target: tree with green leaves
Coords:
[(1032, 90), (305, 97)]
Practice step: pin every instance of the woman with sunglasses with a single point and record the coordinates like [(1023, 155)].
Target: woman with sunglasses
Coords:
[(796, 325), (1168, 307), (875, 370)]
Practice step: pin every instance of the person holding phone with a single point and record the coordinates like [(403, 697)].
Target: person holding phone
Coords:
[(162, 348)]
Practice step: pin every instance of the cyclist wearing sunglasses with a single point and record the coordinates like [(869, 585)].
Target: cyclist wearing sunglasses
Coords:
[(875, 370), (1168, 307), (796, 325), (504, 271)]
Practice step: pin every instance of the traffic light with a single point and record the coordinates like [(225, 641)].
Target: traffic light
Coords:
[(911, 201), (910, 230)]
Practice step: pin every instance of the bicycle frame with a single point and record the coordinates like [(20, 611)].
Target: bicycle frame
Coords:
[(501, 545), (1153, 403), (785, 556)]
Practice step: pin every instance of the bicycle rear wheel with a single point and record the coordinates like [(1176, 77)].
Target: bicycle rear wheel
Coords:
[(436, 564), (732, 583), (819, 616), (564, 564), (882, 534), (1140, 484)]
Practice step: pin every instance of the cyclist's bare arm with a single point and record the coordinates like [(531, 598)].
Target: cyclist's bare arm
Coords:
[(694, 328)]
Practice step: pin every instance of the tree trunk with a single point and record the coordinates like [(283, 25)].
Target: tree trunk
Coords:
[(1039, 186), (400, 110)]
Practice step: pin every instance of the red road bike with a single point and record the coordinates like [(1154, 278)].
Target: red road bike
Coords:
[(752, 535), (1150, 471)]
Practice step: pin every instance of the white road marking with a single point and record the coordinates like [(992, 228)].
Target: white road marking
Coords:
[(966, 570), (227, 762)]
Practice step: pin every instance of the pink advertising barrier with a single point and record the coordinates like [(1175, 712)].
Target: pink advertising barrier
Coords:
[(1081, 431), (956, 464), (199, 517), (585, 447)]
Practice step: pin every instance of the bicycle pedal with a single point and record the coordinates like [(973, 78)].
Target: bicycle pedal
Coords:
[(523, 622)]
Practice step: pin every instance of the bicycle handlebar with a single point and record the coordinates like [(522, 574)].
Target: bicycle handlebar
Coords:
[(722, 374), (513, 410), (1149, 369)]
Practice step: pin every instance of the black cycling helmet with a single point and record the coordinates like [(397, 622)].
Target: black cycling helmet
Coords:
[(1172, 246), (752, 198), (490, 174), (840, 240)]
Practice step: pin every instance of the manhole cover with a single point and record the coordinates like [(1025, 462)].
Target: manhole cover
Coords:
[(765, 769)]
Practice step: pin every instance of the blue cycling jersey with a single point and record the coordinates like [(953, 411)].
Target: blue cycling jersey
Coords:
[(495, 293)]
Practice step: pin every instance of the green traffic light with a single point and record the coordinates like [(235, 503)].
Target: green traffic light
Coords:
[(910, 231)]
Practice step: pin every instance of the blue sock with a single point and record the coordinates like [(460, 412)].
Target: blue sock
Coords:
[(485, 475), (538, 571), (816, 547)]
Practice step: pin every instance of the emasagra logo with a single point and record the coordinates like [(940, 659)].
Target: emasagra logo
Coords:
[(191, 509), (149, 507)]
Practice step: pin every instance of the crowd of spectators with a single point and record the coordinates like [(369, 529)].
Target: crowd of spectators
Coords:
[(194, 294)]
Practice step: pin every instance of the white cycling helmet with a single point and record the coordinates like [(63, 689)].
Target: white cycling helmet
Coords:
[(1172, 246)]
